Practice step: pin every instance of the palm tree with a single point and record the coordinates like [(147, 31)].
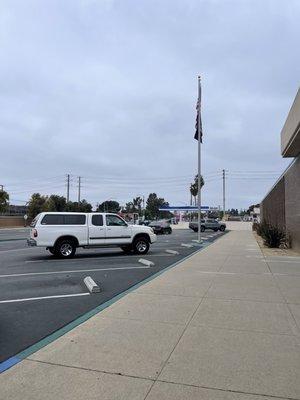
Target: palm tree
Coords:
[(194, 188)]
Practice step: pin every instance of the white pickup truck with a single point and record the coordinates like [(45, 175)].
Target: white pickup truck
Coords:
[(62, 232)]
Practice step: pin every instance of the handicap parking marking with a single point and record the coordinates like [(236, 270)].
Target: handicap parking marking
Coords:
[(60, 296)]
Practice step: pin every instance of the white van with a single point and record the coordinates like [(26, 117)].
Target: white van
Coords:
[(62, 232)]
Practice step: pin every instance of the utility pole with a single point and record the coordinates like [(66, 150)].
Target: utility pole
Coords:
[(79, 188), (224, 193), (68, 187)]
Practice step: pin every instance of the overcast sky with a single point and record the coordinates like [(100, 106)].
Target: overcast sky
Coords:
[(106, 90)]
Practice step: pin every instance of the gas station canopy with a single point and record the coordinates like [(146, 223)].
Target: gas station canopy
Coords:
[(187, 208)]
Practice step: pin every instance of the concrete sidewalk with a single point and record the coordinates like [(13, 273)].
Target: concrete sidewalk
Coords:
[(223, 324)]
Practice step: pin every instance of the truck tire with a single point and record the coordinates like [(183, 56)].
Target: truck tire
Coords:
[(140, 245), (169, 231), (202, 228), (65, 248), (51, 250), (127, 249), (222, 228)]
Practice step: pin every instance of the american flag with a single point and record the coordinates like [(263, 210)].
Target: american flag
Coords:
[(198, 120)]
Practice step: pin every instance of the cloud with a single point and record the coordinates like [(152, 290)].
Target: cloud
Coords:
[(107, 90)]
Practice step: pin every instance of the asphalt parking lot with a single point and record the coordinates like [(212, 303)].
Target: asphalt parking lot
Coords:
[(40, 294)]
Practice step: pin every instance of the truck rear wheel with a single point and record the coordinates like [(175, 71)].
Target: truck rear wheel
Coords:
[(65, 248), (140, 245)]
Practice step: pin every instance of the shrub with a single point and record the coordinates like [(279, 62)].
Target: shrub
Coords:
[(273, 235), (255, 226)]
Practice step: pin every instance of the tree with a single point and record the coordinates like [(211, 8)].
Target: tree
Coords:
[(37, 204), (152, 207), (109, 206), (251, 208), (194, 188), (134, 206), (56, 203), (82, 206), (4, 199), (233, 212)]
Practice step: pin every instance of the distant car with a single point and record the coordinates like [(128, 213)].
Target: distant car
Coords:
[(163, 227), (146, 222), (208, 224)]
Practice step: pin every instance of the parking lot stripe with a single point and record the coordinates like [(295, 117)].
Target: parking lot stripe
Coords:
[(70, 271), (44, 297), (100, 258)]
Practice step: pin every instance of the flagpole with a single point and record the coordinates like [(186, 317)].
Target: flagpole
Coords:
[(199, 159)]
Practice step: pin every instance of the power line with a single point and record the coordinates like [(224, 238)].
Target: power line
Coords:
[(68, 187)]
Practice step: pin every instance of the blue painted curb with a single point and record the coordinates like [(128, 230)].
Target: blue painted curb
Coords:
[(9, 363)]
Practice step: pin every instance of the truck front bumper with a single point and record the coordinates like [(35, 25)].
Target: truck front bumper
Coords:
[(31, 242), (153, 238)]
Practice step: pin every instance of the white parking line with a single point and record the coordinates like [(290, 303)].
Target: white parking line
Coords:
[(9, 251), (100, 258), (44, 297), (70, 271)]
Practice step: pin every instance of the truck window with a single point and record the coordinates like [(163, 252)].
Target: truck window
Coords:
[(53, 219), (97, 220), (114, 220), (63, 219), (74, 219)]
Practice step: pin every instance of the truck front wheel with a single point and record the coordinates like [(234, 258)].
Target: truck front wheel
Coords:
[(127, 249), (51, 249), (140, 245), (65, 248)]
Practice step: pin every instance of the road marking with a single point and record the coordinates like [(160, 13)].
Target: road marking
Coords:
[(6, 251), (44, 297), (172, 251), (186, 245), (100, 258), (70, 271)]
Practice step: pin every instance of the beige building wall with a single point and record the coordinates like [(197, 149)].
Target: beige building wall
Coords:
[(292, 202)]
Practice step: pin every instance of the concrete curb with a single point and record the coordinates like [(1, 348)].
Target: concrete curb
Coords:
[(91, 285), (146, 262), (172, 251)]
